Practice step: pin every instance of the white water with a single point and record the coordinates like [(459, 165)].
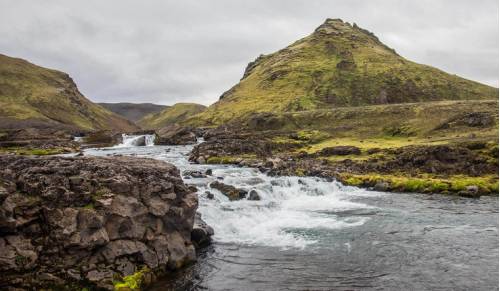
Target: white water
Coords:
[(78, 138), (292, 212), (137, 140)]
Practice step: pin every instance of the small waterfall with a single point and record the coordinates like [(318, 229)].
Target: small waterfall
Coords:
[(137, 140)]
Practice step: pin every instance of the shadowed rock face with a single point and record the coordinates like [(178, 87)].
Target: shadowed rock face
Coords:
[(72, 220), (175, 135)]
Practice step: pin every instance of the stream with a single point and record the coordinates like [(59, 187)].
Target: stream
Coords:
[(310, 234)]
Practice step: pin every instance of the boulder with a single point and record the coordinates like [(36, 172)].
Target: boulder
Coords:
[(175, 135), (209, 195), (102, 138), (194, 174), (253, 196), (381, 186), (201, 235), (231, 192), (87, 221)]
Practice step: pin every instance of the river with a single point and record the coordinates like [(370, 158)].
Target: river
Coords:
[(311, 234)]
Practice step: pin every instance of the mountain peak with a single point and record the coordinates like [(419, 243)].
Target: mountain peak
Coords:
[(338, 65)]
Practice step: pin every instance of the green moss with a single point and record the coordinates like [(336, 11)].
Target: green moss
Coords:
[(300, 172), (424, 184), (132, 282), (89, 206), (32, 151), (311, 136)]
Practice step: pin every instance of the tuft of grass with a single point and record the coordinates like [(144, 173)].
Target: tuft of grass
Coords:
[(132, 282)]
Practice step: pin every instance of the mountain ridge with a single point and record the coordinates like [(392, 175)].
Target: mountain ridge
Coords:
[(133, 111)]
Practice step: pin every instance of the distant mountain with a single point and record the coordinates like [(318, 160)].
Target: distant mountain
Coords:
[(176, 113), (338, 65), (33, 96), (133, 111)]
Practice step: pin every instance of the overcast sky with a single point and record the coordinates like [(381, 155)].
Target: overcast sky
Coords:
[(192, 51)]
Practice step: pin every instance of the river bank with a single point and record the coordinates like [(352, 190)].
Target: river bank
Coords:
[(313, 233), (107, 223)]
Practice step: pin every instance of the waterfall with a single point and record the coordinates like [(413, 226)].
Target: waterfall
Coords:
[(78, 138), (137, 140)]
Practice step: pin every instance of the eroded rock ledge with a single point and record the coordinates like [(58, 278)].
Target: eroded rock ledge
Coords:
[(90, 221)]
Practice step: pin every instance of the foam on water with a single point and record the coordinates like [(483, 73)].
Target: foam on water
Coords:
[(291, 212)]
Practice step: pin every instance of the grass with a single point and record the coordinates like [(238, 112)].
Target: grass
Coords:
[(424, 184), (32, 151), (171, 115)]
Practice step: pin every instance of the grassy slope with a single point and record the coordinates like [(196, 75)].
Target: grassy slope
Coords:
[(338, 65), (133, 111), (33, 94), (171, 115)]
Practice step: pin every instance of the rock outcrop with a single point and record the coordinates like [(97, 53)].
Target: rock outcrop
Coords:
[(47, 138), (90, 221), (175, 135), (231, 192)]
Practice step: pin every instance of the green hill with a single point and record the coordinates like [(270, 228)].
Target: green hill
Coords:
[(33, 96), (176, 113), (133, 111), (338, 65)]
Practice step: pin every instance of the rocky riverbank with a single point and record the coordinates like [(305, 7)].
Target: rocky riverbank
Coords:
[(94, 222), (469, 168)]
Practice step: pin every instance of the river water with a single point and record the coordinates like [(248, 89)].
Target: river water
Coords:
[(310, 234)]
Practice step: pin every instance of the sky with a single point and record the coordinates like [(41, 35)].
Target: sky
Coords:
[(165, 52)]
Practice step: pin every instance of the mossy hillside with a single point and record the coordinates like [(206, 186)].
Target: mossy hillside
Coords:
[(171, 115), (395, 125), (338, 65), (32, 93)]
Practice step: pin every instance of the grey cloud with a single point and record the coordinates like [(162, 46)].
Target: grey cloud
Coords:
[(192, 51)]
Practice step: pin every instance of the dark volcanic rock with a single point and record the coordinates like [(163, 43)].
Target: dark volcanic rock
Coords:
[(194, 174), (175, 135), (102, 138), (340, 151), (201, 236), (222, 142), (253, 195), (66, 221), (231, 192), (40, 138)]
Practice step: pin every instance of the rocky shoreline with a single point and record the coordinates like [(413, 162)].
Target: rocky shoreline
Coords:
[(94, 222), (468, 169)]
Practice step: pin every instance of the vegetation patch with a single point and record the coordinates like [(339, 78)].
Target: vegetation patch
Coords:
[(132, 282), (486, 185), (32, 151)]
